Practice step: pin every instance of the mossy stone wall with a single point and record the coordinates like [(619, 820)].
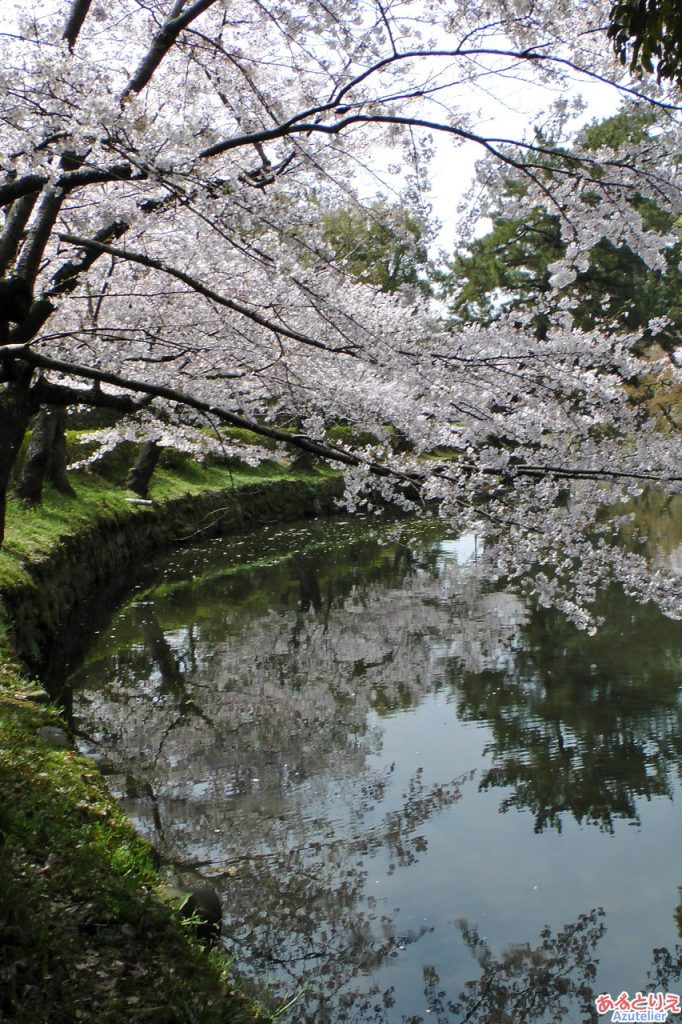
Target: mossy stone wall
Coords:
[(86, 571)]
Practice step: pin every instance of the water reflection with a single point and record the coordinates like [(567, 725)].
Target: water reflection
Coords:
[(583, 725), (551, 980), (318, 722)]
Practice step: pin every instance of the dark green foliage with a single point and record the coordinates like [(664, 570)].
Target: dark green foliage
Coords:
[(647, 34), (381, 245), (508, 269), (345, 434)]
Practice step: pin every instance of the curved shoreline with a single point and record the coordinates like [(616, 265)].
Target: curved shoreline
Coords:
[(94, 565), (77, 876)]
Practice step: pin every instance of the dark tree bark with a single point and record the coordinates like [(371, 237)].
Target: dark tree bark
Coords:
[(304, 461), (46, 457), (77, 15), (141, 473), (20, 398), (15, 300), (16, 408), (15, 224), (56, 467)]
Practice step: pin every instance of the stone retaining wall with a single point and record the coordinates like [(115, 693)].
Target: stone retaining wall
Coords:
[(50, 617)]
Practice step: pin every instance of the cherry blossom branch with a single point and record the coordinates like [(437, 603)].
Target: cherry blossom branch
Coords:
[(47, 393), (299, 123), (63, 280), (304, 443), (530, 55), (301, 441), (162, 43), (566, 166), (66, 277), (202, 289), (491, 144)]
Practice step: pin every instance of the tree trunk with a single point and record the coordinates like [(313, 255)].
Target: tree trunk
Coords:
[(56, 466), (16, 407), (303, 461), (46, 457), (141, 473)]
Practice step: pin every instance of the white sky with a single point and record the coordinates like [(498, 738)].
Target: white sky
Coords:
[(512, 114)]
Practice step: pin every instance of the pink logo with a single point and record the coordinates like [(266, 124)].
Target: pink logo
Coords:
[(649, 1007)]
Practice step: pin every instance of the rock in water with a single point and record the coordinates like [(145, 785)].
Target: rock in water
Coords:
[(202, 906)]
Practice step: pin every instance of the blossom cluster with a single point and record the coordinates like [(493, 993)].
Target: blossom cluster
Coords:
[(165, 177)]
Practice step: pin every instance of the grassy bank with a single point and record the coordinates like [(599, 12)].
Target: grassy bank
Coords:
[(33, 533), (84, 935)]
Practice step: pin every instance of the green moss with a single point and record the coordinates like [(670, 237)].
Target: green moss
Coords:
[(249, 437), (347, 435)]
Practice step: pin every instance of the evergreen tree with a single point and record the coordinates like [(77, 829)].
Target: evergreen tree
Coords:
[(511, 267)]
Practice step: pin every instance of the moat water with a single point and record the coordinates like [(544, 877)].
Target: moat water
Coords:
[(419, 798)]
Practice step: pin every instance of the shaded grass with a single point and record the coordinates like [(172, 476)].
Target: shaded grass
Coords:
[(83, 934)]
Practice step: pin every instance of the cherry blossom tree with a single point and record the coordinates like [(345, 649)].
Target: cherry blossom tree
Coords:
[(167, 168), (508, 268)]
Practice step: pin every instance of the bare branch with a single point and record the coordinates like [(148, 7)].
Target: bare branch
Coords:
[(19, 187), (530, 55), (389, 30), (491, 144), (99, 175)]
